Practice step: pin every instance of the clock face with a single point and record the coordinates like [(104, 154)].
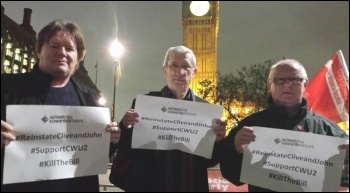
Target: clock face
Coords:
[(199, 8)]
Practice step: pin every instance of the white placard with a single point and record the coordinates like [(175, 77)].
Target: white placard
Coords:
[(292, 161), (54, 142), (167, 124)]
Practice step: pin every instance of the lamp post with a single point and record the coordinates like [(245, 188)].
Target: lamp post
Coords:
[(116, 50)]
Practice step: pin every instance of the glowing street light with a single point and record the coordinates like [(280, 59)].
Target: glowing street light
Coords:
[(102, 101), (116, 50)]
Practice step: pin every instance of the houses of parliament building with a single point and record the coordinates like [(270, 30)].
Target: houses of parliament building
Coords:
[(18, 43)]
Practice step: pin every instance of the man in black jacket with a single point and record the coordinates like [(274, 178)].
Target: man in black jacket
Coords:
[(60, 48), (169, 170), (287, 110)]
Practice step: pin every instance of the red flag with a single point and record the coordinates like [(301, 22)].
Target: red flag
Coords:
[(328, 92)]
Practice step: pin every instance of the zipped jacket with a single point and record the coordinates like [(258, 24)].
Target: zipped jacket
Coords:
[(273, 117)]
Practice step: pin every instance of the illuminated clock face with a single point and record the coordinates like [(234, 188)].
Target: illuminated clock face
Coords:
[(199, 8)]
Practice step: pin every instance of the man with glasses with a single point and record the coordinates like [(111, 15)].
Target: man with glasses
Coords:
[(287, 110), (169, 170)]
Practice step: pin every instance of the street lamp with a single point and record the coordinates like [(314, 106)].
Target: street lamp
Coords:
[(102, 101), (116, 50)]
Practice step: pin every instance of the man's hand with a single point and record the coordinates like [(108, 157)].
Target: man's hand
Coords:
[(243, 138), (6, 134), (115, 132)]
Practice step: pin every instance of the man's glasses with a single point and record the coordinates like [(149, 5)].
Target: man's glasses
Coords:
[(290, 80), (175, 67)]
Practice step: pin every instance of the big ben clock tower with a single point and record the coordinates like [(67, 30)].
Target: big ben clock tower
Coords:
[(200, 20)]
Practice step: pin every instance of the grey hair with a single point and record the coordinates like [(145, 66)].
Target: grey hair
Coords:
[(288, 61), (180, 50)]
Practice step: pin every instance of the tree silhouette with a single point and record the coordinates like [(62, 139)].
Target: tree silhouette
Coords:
[(241, 93)]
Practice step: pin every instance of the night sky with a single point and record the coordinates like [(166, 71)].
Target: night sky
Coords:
[(249, 33)]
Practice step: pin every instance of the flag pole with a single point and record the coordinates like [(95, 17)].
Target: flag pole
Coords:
[(96, 66), (345, 124), (344, 67)]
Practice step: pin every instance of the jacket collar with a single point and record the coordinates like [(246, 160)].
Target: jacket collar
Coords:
[(281, 111)]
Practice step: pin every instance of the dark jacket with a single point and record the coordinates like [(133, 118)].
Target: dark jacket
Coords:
[(165, 170), (273, 117), (32, 88)]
